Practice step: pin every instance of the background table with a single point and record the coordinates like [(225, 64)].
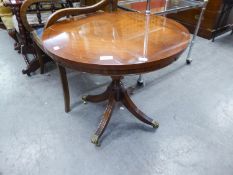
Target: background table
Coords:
[(116, 44), (165, 7), (160, 7)]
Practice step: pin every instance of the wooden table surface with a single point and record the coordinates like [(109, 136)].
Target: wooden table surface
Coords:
[(116, 43)]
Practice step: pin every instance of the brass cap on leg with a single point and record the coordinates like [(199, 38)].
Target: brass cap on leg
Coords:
[(84, 99), (95, 140), (155, 124)]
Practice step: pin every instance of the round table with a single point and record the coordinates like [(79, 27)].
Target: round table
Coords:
[(116, 44)]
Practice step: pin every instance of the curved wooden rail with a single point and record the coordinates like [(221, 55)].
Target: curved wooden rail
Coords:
[(75, 11), (23, 11)]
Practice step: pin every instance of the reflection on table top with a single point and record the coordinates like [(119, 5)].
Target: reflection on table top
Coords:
[(119, 39), (160, 6)]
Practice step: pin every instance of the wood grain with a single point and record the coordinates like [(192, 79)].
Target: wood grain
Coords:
[(116, 43)]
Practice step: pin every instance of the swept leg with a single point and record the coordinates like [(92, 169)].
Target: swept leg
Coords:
[(97, 98), (136, 112), (104, 121), (65, 87)]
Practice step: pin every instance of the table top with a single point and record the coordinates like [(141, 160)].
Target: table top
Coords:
[(160, 6), (116, 43)]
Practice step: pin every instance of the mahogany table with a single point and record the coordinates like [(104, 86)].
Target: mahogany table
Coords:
[(116, 44)]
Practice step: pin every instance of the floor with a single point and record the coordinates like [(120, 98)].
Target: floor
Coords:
[(193, 104)]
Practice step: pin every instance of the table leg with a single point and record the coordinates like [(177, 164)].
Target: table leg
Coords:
[(96, 98), (116, 92), (137, 112), (104, 121), (65, 87)]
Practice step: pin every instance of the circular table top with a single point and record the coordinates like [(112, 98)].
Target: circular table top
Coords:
[(116, 43)]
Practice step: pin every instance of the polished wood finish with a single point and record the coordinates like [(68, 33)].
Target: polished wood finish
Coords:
[(112, 43), (115, 44), (208, 26)]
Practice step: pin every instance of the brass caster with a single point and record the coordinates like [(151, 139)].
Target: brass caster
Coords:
[(155, 124), (95, 140), (84, 99)]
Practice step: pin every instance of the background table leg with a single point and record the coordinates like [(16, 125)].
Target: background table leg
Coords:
[(188, 58)]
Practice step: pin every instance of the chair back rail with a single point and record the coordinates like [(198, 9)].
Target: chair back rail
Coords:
[(76, 11), (34, 13)]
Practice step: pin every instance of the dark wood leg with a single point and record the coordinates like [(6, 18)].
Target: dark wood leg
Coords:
[(104, 121), (136, 112), (97, 98), (36, 63), (31, 67), (65, 87), (117, 92)]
